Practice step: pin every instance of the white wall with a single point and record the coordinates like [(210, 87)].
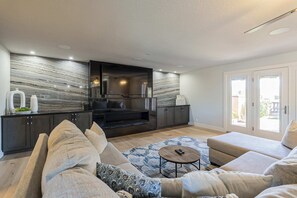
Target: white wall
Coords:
[(4, 83), (203, 88)]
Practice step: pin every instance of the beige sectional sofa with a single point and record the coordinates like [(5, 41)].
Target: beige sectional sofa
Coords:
[(234, 156), (30, 183), (230, 146)]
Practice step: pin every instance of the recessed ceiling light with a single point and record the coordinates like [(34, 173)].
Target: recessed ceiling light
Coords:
[(279, 31), (66, 47), (70, 58), (32, 52), (175, 72), (160, 69)]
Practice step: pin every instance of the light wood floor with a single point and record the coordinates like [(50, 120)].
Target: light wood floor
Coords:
[(12, 166)]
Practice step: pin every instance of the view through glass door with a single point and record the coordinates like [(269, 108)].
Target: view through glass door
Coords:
[(270, 101), (257, 102)]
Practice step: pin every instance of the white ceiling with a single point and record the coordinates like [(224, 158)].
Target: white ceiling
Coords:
[(152, 33)]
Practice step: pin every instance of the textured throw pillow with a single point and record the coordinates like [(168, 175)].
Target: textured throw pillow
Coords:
[(290, 136), (97, 129), (98, 141), (68, 148), (287, 191), (284, 171), (119, 179), (244, 185), (77, 183)]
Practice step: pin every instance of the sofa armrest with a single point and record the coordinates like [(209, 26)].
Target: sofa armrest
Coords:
[(30, 182)]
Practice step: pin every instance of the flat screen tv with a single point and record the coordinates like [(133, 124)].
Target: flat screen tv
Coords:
[(123, 81)]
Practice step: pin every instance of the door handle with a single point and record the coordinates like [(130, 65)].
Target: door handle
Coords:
[(285, 110)]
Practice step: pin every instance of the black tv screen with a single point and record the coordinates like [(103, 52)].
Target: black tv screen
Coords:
[(124, 81)]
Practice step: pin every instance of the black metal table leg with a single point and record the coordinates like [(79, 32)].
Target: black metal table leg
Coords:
[(176, 170), (160, 164)]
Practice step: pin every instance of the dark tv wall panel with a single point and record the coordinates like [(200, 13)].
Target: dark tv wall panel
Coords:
[(58, 84)]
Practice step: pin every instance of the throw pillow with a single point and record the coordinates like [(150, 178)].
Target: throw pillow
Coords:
[(290, 137), (68, 148), (284, 171), (97, 129), (119, 179), (77, 183), (201, 183), (287, 191), (98, 141)]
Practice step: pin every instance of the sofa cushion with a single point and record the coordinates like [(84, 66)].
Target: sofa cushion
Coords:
[(68, 148), (171, 187), (119, 179), (111, 155), (29, 184), (250, 162), (97, 129), (77, 183), (244, 185), (284, 171), (290, 137), (237, 144), (287, 191), (98, 141)]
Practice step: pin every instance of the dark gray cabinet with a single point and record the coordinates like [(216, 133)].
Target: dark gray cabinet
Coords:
[(40, 124), (181, 115), (172, 115), (58, 118), (82, 120), (15, 134), (20, 132)]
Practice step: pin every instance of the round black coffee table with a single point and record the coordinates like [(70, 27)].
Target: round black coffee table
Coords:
[(190, 156)]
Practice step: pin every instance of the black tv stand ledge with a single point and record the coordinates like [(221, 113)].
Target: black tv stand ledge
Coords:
[(124, 121)]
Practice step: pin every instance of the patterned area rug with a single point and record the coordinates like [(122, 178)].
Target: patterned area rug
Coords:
[(147, 159)]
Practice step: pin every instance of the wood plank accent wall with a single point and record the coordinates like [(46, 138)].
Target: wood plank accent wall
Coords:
[(165, 87), (58, 84)]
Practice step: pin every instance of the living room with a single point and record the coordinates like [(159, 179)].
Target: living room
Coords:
[(180, 93)]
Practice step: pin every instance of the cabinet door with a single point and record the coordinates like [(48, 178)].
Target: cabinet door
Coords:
[(83, 120), (40, 124), (170, 116), (181, 115), (16, 134), (161, 120), (58, 118)]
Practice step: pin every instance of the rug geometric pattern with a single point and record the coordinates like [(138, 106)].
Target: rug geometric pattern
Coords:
[(147, 160)]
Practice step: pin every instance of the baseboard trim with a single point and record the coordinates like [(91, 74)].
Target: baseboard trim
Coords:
[(210, 127)]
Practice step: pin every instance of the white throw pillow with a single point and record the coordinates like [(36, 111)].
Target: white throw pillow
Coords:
[(290, 136), (98, 141), (287, 191), (68, 148), (284, 171), (244, 185), (97, 129), (77, 183)]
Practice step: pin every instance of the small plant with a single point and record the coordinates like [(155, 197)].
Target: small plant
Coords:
[(22, 109)]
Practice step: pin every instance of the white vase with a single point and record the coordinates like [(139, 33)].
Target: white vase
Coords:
[(34, 104)]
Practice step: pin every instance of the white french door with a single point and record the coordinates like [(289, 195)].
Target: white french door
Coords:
[(239, 102), (271, 102), (257, 102)]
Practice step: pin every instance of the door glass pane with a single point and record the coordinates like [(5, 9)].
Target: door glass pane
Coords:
[(269, 111), (238, 87)]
